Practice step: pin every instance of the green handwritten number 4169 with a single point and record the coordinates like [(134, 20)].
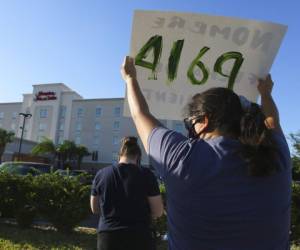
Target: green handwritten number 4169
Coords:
[(155, 44)]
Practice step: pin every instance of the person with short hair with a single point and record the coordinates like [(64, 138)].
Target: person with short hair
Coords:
[(229, 183), (127, 197)]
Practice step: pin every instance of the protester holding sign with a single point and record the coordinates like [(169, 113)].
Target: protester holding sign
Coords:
[(229, 184), (126, 196)]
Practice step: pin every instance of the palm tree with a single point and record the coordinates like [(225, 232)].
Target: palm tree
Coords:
[(67, 152), (46, 146), (5, 137), (81, 151)]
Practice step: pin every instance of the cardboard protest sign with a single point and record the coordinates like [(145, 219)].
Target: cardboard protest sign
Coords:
[(180, 54)]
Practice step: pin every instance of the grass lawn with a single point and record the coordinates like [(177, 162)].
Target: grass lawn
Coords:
[(13, 238)]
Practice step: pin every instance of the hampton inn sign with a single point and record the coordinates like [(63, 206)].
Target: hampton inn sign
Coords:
[(45, 96)]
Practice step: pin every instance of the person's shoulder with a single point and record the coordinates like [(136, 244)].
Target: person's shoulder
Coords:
[(104, 170), (147, 172), (166, 131)]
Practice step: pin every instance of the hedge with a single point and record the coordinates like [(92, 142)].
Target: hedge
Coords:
[(64, 202), (60, 200)]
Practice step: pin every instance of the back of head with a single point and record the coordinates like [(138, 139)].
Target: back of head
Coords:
[(224, 111), (222, 108), (130, 148)]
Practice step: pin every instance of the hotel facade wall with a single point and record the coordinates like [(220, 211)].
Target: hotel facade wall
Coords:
[(97, 124)]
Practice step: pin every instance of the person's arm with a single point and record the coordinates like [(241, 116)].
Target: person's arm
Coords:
[(138, 106), (268, 105), (94, 202), (153, 195), (156, 206)]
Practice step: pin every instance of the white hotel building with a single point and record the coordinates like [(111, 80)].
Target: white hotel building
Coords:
[(60, 113)]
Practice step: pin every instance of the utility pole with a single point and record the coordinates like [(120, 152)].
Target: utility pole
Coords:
[(25, 116)]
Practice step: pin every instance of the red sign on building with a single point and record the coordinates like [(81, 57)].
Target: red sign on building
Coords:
[(45, 96)]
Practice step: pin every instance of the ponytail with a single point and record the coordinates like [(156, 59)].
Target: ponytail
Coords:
[(130, 147), (258, 149)]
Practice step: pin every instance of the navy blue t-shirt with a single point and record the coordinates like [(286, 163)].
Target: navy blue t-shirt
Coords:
[(123, 192), (212, 203)]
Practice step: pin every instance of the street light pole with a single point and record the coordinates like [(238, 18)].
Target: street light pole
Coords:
[(25, 116)]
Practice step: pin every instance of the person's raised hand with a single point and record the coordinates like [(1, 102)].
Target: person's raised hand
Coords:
[(128, 70), (265, 86)]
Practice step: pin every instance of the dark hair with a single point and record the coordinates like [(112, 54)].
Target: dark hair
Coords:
[(225, 113), (130, 147)]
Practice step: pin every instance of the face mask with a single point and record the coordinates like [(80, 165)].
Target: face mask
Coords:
[(190, 123)]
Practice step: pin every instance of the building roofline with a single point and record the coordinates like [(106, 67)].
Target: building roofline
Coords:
[(53, 84), (71, 92), (8, 103), (101, 99)]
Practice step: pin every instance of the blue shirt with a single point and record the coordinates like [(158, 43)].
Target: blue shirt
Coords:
[(212, 203), (123, 192)]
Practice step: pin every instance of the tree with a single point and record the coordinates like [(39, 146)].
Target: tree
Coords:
[(295, 208), (67, 153), (5, 138), (46, 146), (295, 138), (81, 151)]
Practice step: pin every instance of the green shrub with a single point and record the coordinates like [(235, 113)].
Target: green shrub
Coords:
[(25, 211), (61, 200), (16, 197), (8, 189), (160, 224), (16, 192), (25, 216), (295, 220)]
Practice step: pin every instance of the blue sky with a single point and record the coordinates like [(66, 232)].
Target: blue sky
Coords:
[(82, 44)]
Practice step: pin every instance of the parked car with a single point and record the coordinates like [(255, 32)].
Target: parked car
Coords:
[(24, 168), (84, 176)]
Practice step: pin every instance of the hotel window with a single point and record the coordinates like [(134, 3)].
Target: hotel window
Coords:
[(77, 139), (43, 113), (98, 112), (96, 140), (1, 115), (13, 126), (14, 115), (42, 126), (95, 156), (80, 112), (116, 125), (39, 138), (116, 140), (63, 111), (61, 126), (60, 139), (115, 157), (78, 126), (97, 126), (117, 112)]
